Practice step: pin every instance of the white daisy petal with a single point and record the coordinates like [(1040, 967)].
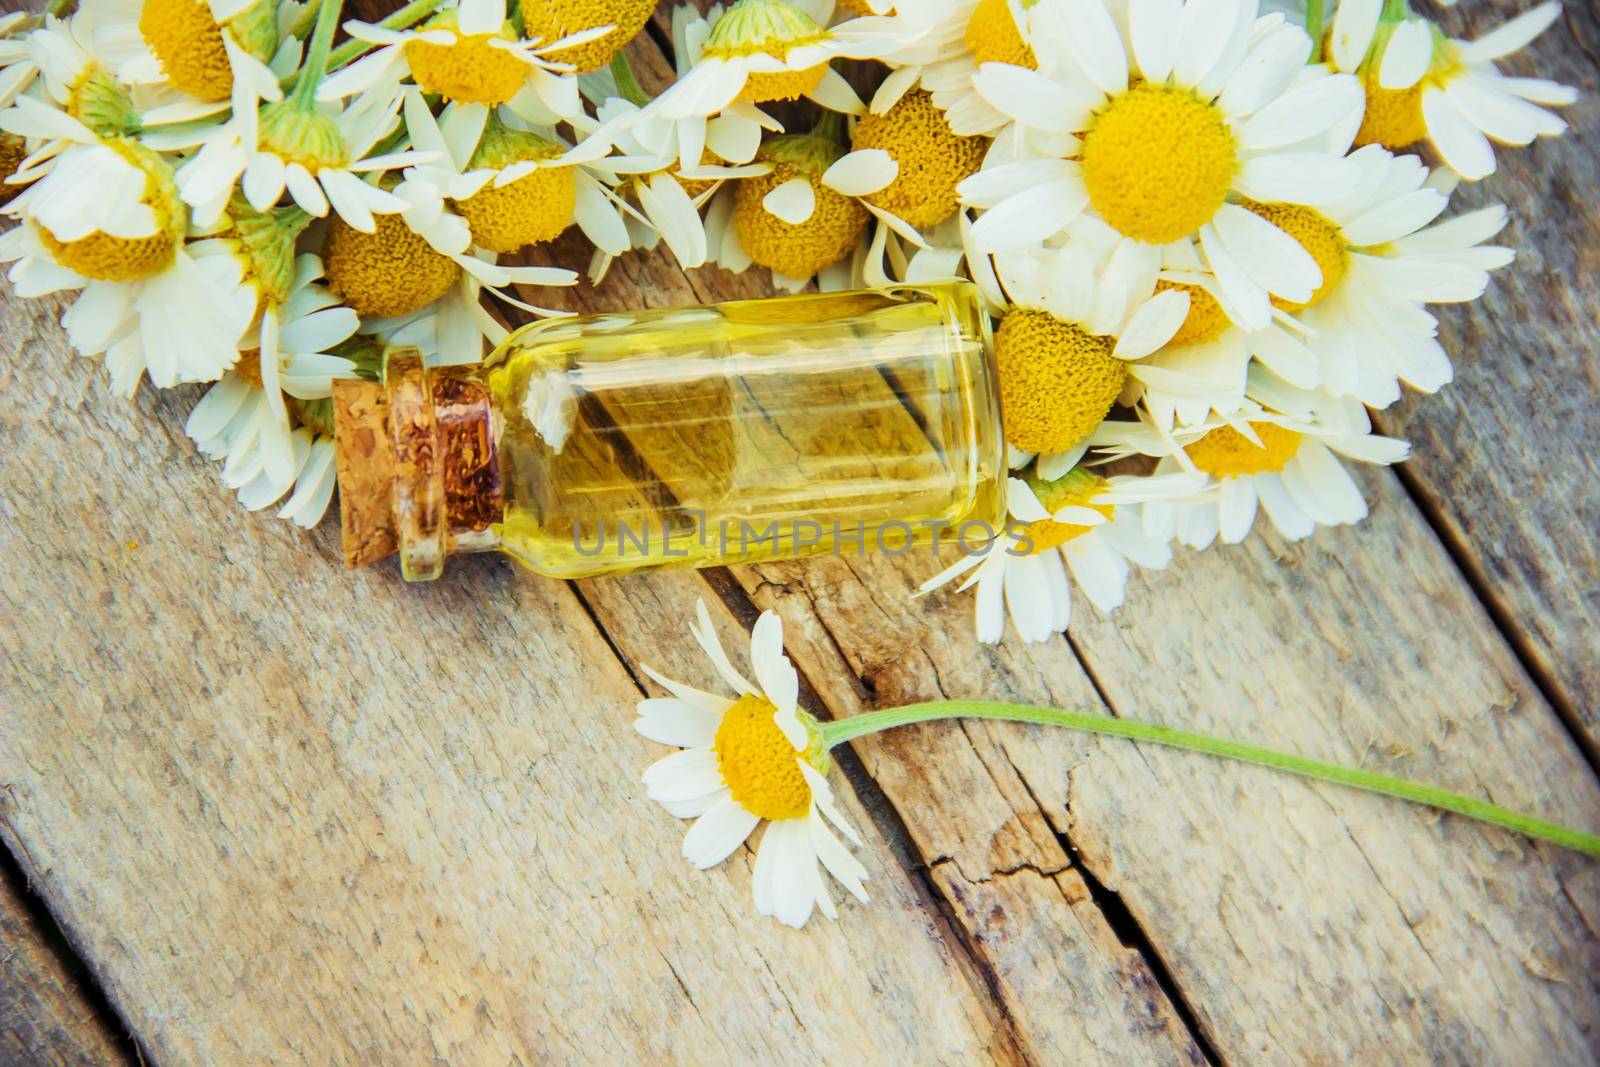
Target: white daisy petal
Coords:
[(1464, 148), (1407, 55)]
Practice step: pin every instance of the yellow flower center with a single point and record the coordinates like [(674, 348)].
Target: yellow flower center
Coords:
[(1206, 320), (932, 159), (1317, 236), (533, 209), (550, 20), (105, 258), (1057, 380), (187, 42), (470, 71), (113, 259), (1227, 453), (992, 36), (695, 186), (758, 764), (783, 85), (798, 250), (1158, 162), (389, 272), (1076, 488), (1393, 117)]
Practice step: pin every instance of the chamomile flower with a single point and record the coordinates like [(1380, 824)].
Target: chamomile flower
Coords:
[(930, 160), (792, 220), (1421, 85), (513, 187), (658, 181), (466, 55), (1080, 523), (318, 153), (647, 140), (1382, 258), (151, 305), (189, 58), (1205, 367), (749, 759), (1287, 466), (595, 30), (1075, 317), (944, 42), (765, 50), (244, 419), (1156, 135)]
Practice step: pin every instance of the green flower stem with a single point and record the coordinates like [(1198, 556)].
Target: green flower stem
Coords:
[(1314, 27), (405, 18), (304, 21), (839, 731), (316, 61), (627, 85), (1395, 11), (829, 127)]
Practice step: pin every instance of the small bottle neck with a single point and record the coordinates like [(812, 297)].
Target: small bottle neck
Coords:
[(419, 467)]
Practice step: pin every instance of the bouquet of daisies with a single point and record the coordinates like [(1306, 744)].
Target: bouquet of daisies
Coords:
[(1209, 233)]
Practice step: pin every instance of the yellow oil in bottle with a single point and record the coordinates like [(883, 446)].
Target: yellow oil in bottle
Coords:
[(747, 431)]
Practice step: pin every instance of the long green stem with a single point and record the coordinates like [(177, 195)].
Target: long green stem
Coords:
[(837, 732), (316, 61)]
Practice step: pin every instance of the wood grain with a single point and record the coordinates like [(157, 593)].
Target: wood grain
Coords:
[(298, 815), (1505, 456), (292, 814), (46, 1015), (1280, 956)]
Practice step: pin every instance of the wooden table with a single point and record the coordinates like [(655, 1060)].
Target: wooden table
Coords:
[(261, 809)]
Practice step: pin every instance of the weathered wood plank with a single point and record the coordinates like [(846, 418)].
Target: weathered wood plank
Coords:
[(1505, 456), (294, 814), (46, 1015), (1530, 954), (1379, 617), (1063, 980)]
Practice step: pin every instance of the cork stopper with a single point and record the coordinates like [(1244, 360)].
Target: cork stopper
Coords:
[(365, 457), (418, 467)]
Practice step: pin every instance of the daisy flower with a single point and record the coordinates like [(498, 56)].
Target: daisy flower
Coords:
[(662, 168), (1288, 466), (764, 50), (1080, 523), (1421, 85), (746, 760), (794, 219), (613, 24), (1382, 258), (730, 137), (150, 301), (512, 187), (1157, 134), (467, 55), (944, 44), (1072, 320), (245, 420), (188, 59)]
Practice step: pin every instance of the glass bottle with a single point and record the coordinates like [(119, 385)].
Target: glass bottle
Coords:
[(699, 436)]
